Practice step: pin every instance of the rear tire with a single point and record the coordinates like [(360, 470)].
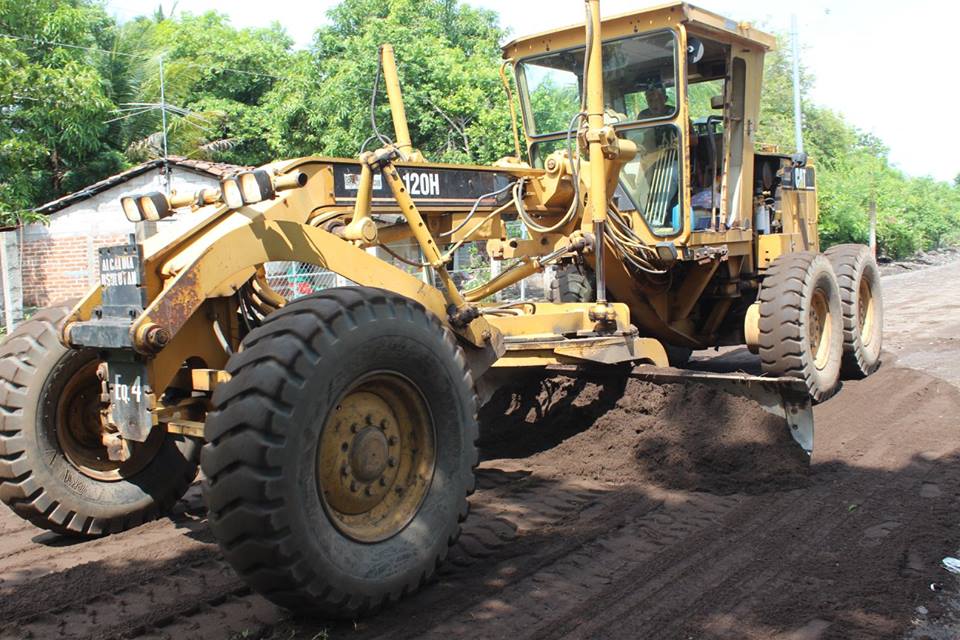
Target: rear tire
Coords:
[(299, 496), (52, 471), (573, 283), (801, 329), (862, 305)]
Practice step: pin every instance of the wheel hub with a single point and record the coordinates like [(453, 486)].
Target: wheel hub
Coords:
[(368, 454), (79, 431), (819, 330), (865, 311), (375, 457)]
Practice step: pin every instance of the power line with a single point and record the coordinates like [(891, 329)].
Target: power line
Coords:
[(54, 43)]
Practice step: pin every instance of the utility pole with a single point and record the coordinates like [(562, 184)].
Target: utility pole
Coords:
[(797, 111)]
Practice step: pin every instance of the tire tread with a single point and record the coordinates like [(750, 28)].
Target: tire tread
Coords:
[(247, 520)]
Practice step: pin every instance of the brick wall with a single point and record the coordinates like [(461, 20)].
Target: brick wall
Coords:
[(59, 258), (61, 268)]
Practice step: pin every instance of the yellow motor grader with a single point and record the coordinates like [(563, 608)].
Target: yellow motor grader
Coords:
[(336, 432)]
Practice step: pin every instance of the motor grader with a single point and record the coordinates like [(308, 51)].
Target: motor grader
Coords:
[(336, 432)]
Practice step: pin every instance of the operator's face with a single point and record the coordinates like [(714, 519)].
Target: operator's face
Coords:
[(657, 101)]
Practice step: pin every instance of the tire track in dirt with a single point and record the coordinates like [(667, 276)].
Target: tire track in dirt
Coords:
[(545, 556), (30, 553), (539, 604), (167, 579), (510, 505)]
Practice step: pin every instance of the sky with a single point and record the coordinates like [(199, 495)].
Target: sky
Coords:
[(885, 78)]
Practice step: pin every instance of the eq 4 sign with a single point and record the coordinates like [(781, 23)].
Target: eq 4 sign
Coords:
[(123, 392)]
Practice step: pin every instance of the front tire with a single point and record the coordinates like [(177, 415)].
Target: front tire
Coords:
[(54, 471), (341, 452), (801, 332)]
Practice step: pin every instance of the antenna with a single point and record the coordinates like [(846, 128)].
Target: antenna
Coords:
[(163, 117), (797, 111)]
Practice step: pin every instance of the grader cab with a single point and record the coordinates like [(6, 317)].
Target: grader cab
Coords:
[(338, 430)]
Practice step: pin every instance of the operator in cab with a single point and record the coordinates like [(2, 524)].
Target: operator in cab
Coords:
[(657, 105)]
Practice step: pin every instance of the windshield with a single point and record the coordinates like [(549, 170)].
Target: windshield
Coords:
[(639, 83)]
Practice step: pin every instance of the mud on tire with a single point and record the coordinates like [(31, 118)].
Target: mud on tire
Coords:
[(862, 307), (290, 512), (37, 478), (800, 322)]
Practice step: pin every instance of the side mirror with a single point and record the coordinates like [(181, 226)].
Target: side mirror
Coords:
[(716, 102), (694, 50)]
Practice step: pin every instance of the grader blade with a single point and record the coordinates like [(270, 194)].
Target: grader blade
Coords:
[(785, 397)]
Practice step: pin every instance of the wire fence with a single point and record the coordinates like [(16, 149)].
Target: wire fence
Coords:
[(471, 267)]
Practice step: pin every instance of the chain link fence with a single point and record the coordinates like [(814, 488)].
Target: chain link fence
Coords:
[(471, 267)]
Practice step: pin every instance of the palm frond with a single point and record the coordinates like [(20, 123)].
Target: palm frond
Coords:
[(209, 150)]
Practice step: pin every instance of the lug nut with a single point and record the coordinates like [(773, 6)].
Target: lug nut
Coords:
[(353, 487), (367, 491), (392, 440), (344, 470), (391, 461), (383, 482), (353, 428), (344, 447)]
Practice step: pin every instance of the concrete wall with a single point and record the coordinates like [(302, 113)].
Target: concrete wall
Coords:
[(59, 259)]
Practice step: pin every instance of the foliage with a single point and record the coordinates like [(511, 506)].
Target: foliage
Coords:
[(52, 101), (853, 171), (447, 56)]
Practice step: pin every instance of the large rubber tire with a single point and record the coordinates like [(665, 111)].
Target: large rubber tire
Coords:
[(37, 480), (572, 283), (275, 524), (795, 287), (862, 304)]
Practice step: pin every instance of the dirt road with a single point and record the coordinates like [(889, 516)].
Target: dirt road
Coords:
[(611, 509)]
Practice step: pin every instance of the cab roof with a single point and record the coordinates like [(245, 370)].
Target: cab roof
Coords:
[(662, 15)]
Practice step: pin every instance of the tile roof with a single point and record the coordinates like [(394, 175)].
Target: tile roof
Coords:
[(214, 169)]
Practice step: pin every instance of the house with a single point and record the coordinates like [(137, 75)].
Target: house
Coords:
[(58, 260)]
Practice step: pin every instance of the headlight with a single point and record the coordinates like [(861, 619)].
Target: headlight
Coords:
[(255, 186), (154, 206), (149, 206), (249, 187), (130, 208), (232, 196)]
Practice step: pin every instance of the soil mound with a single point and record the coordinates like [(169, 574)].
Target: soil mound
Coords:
[(617, 429)]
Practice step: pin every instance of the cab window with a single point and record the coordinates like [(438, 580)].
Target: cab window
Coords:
[(639, 76)]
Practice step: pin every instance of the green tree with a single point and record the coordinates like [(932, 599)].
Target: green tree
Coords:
[(448, 57), (53, 100), (853, 170), (217, 73)]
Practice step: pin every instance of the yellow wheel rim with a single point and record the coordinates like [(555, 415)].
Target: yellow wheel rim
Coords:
[(819, 329), (376, 457), (865, 312), (79, 431)]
